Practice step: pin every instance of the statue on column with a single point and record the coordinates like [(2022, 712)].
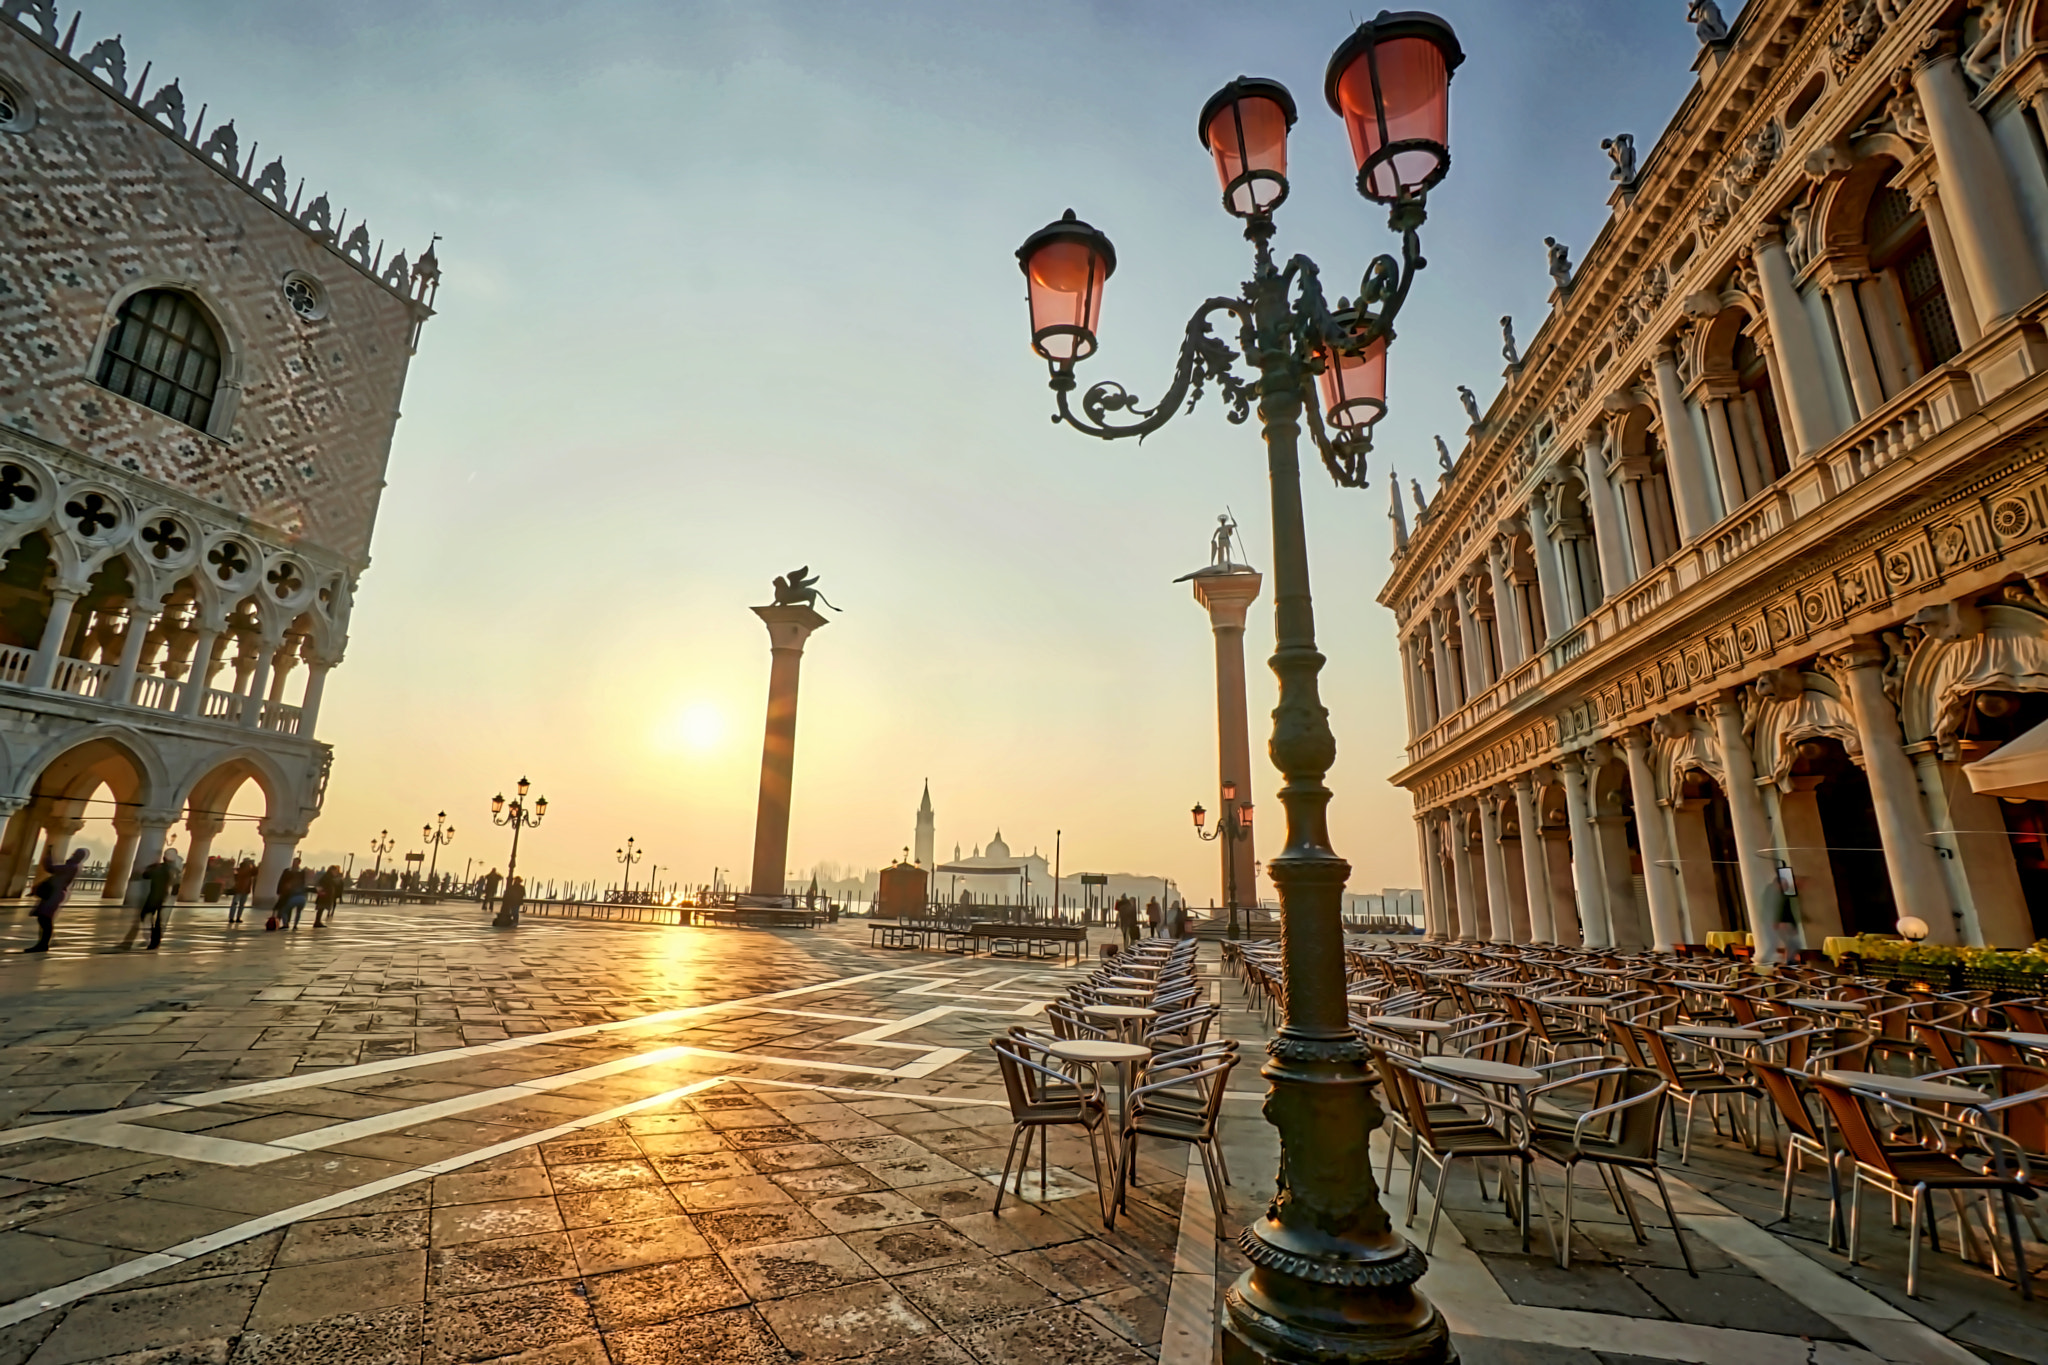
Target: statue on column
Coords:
[(1219, 542), (1706, 20), (799, 588)]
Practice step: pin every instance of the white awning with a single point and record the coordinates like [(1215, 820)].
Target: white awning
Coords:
[(981, 870), (2018, 769)]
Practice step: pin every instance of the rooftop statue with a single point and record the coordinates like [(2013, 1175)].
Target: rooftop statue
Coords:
[(1621, 150), (1471, 402), (1415, 492), (799, 588), (1443, 455), (1706, 20), (1507, 337), (1560, 262)]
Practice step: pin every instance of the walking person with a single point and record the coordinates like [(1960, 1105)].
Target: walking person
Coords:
[(51, 891), (327, 895), (515, 896), (161, 880), (242, 883), (1784, 935), (1152, 917), (291, 897), (489, 886), (1127, 919)]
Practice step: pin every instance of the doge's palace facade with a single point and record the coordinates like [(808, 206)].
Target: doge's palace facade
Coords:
[(200, 371), (1747, 562)]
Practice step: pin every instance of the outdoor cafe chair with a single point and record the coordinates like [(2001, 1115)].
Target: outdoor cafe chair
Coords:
[(1152, 1114), (1790, 1092), (1486, 1128), (1041, 1099), (1690, 1085), (1490, 1039), (1915, 1172), (1621, 1133), (1185, 1027)]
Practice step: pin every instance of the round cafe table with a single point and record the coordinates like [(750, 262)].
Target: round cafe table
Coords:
[(1908, 1087), (1128, 1019), (1827, 1006), (1577, 1002), (1720, 1033), (1424, 1029), (1124, 993), (2034, 1041), (1098, 1053)]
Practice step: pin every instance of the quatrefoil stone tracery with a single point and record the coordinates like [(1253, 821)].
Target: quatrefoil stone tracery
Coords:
[(285, 580), (230, 560), (16, 487), (165, 537)]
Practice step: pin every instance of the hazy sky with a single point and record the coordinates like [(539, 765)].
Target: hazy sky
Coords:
[(730, 288)]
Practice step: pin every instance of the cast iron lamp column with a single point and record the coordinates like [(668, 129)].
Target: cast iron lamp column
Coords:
[(1330, 1280), (629, 855), (1234, 822), (515, 814), (434, 836), (380, 846)]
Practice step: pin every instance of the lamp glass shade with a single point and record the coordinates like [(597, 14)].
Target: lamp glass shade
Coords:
[(523, 785), (1354, 386), (1913, 929), (1244, 126), (540, 807), (1229, 790), (1065, 266), (498, 804), (1391, 84), (1244, 815), (1201, 816)]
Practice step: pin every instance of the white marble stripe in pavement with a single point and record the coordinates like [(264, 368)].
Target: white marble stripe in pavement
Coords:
[(66, 1128), (1189, 1337), (56, 1297)]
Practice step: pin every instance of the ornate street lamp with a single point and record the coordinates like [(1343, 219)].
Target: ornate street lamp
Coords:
[(1232, 824), (380, 846), (630, 855), (434, 836), (1330, 1278), (515, 814)]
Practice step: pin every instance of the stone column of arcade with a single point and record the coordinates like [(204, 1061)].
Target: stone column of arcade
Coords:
[(1227, 591), (790, 624)]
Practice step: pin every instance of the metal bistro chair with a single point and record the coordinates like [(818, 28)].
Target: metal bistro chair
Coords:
[(1473, 1136), (1043, 1098), (1915, 1173), (1150, 1117), (1622, 1132)]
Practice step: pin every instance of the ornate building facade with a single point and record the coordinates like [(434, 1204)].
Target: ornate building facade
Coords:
[(199, 380), (1747, 562)]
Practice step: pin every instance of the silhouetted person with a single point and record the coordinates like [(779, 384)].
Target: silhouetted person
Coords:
[(489, 885), (1127, 919), (327, 894), (50, 893), (161, 879), (515, 896), (242, 884), (1152, 917), (291, 897)]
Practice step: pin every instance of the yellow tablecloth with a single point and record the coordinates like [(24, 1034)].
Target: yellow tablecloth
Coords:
[(1835, 947), (1718, 939)]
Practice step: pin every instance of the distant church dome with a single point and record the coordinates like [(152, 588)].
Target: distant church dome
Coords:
[(997, 848)]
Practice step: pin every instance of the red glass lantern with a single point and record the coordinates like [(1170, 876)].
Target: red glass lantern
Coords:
[(1391, 84), (1244, 816), (1244, 125), (1065, 265), (1201, 816), (1354, 387)]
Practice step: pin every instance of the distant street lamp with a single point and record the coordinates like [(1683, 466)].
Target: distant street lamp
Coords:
[(515, 814), (380, 846), (1330, 1278), (1233, 822), (436, 835), (630, 855)]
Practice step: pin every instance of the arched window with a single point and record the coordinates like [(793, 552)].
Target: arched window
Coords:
[(1753, 376), (164, 354), (1896, 234)]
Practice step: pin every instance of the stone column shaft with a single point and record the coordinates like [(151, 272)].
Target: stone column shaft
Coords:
[(1506, 619), (788, 628), (1983, 211), (193, 698), (1462, 879), (1472, 649), (1586, 881), (1961, 307), (121, 689), (1752, 826), (1228, 597), (1449, 696), (1535, 876), (1432, 875), (1607, 532), (1494, 856), (1863, 380), (1804, 397), (277, 856), (1688, 470), (151, 830), (1726, 462), (51, 650), (1640, 547), (1667, 925), (1549, 584), (316, 688), (1909, 857)]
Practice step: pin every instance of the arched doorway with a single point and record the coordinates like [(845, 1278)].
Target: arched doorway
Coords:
[(1992, 719), (92, 793)]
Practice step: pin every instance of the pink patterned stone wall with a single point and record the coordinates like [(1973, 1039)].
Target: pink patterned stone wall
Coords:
[(95, 202)]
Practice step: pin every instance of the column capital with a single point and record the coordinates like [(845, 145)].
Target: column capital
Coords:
[(283, 834), (1862, 651), (1569, 764), (790, 626)]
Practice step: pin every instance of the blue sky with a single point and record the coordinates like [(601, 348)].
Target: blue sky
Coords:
[(730, 288)]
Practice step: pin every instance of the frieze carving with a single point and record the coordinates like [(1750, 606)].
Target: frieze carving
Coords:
[(1739, 176), (1858, 26)]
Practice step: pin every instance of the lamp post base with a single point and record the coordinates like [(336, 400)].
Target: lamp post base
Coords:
[(1353, 1329)]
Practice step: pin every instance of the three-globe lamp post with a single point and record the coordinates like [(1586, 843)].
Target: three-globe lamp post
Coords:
[(516, 814), (1233, 822), (380, 846), (1330, 1278), (435, 836), (629, 855)]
